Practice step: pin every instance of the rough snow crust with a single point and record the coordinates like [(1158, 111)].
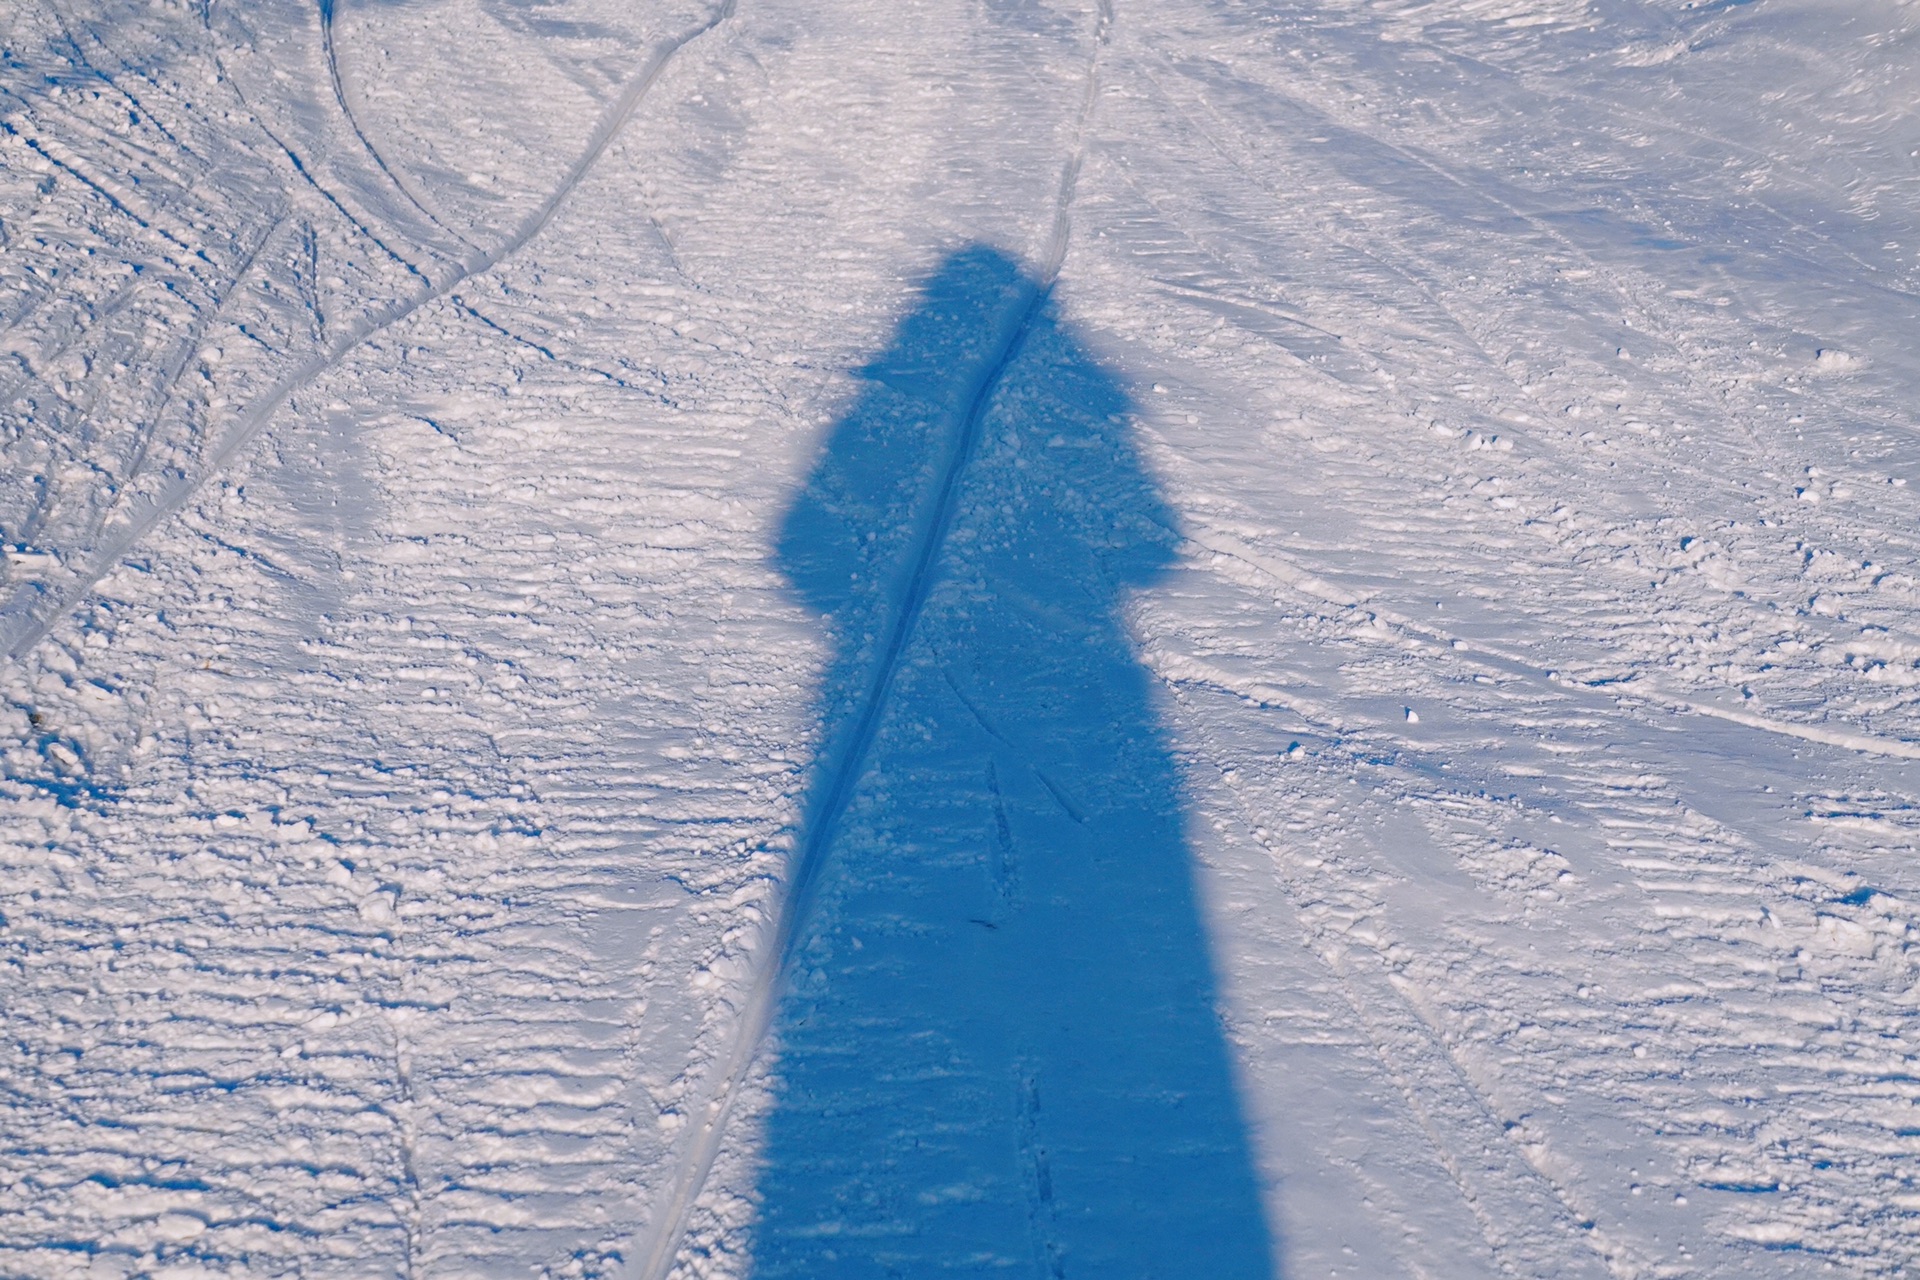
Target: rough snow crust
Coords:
[(407, 720)]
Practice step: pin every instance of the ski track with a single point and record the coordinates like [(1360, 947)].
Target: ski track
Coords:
[(841, 771), (28, 631), (411, 800), (353, 122)]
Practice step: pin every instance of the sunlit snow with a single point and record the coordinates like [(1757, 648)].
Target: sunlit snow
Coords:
[(1069, 639)]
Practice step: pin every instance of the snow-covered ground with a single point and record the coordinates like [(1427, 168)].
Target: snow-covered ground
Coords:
[(1034, 637)]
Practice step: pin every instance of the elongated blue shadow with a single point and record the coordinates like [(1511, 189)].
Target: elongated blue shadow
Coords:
[(998, 1048)]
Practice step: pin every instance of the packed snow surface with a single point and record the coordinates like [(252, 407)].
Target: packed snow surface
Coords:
[(1053, 638)]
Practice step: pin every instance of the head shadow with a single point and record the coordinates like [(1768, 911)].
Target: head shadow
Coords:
[(998, 1048)]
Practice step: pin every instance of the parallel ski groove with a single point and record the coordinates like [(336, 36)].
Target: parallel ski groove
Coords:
[(27, 628), (332, 50)]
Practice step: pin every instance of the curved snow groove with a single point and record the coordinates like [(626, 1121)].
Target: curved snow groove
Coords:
[(842, 769), (29, 624), (1847, 740), (327, 43), (1638, 689)]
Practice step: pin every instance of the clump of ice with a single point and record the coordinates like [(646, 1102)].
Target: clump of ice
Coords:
[(1651, 55), (1834, 360)]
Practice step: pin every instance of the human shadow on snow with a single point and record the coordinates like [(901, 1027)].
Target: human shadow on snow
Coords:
[(997, 1049)]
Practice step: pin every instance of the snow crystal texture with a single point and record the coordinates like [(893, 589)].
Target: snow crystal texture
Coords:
[(1062, 638)]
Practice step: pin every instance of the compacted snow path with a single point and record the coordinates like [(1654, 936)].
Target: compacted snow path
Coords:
[(797, 639)]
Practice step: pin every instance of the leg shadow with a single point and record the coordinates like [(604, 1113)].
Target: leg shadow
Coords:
[(997, 1044)]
